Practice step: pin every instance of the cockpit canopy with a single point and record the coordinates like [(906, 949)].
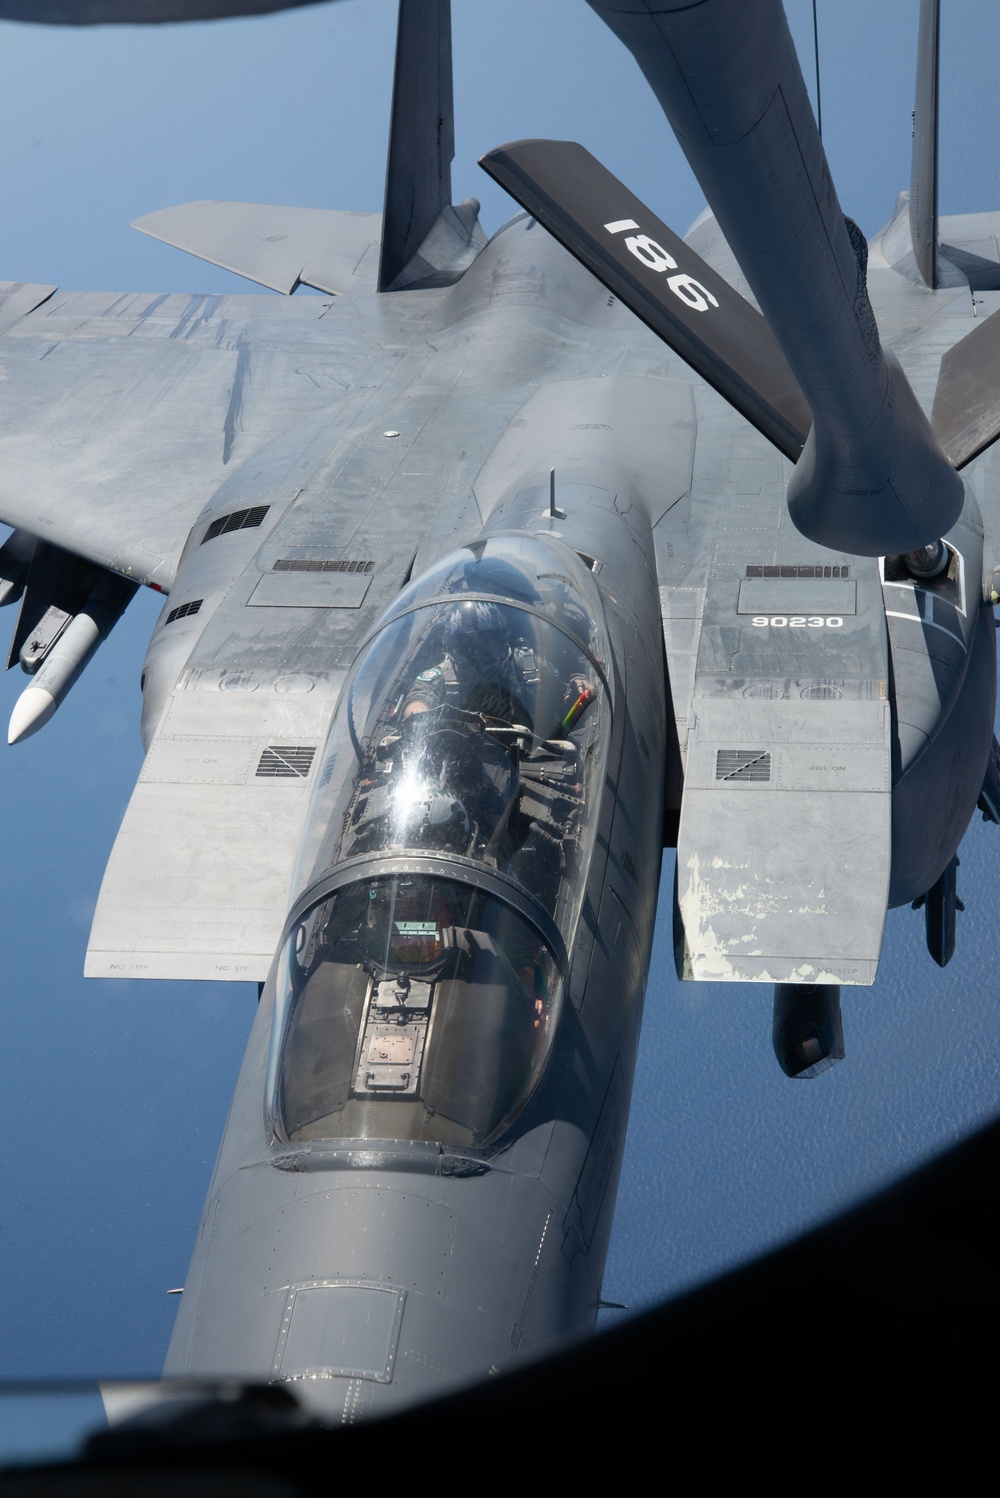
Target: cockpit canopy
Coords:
[(446, 855), (410, 1007), (476, 726)]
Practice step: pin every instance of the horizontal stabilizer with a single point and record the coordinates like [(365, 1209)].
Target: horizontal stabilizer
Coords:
[(280, 248), (660, 278), (966, 413)]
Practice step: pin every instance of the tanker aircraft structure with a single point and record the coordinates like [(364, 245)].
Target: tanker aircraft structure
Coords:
[(483, 588)]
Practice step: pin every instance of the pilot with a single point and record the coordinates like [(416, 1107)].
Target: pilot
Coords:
[(479, 672)]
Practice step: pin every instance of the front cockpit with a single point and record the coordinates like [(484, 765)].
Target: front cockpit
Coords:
[(446, 856)]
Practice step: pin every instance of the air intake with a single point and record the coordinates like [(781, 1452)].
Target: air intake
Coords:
[(320, 564), (239, 520), (803, 570), (184, 610)]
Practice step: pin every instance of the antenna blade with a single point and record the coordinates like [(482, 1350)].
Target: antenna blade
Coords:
[(924, 163), (634, 254), (421, 134)]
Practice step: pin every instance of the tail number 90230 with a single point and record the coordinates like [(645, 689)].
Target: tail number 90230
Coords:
[(797, 621)]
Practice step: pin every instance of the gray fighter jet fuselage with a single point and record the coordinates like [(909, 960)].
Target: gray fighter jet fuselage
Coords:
[(452, 1018), (472, 630)]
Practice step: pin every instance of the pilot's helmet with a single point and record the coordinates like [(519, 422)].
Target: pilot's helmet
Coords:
[(445, 823), (406, 922), (432, 816), (476, 635), (496, 575)]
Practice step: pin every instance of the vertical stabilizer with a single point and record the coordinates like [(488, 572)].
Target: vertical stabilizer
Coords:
[(924, 166), (421, 134)]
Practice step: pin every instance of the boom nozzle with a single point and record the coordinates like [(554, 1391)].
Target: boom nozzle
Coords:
[(873, 478)]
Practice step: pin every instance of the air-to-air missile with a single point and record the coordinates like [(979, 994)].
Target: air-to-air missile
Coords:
[(59, 647)]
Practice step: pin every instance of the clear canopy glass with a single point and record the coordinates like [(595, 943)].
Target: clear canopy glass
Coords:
[(419, 1002), (410, 1008), (476, 728)]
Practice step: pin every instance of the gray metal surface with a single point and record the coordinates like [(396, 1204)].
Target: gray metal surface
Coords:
[(421, 136), (811, 723), (966, 412), (694, 311), (783, 849)]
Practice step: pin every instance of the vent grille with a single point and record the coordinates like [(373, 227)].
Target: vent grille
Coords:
[(184, 609), (286, 761), (742, 764), (806, 570), (239, 520), (320, 564)]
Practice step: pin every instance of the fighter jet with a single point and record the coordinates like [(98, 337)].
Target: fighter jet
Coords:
[(460, 645)]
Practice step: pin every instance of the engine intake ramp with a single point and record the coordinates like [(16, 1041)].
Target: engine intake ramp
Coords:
[(784, 841)]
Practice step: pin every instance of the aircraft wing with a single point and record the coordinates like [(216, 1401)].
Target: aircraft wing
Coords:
[(123, 416), (97, 387)]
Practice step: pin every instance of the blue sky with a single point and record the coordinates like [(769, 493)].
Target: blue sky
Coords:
[(114, 1094)]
